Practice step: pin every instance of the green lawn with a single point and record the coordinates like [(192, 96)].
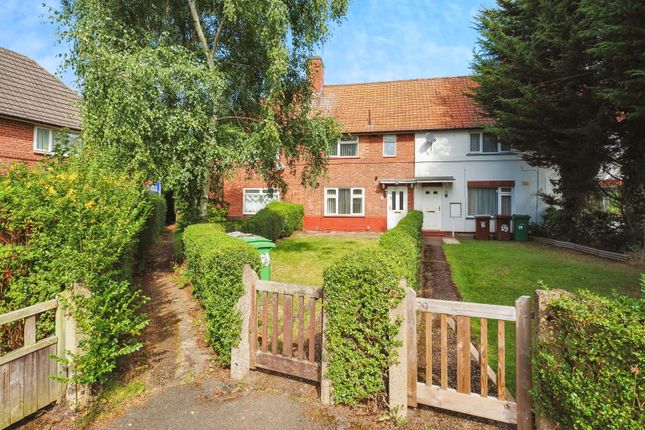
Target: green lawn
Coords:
[(302, 259), (500, 272)]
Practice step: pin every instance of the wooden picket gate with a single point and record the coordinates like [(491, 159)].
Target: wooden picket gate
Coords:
[(430, 386), (25, 373)]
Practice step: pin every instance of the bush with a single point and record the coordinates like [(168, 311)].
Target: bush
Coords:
[(591, 374), (359, 337), (215, 263), (276, 220), (68, 221), (405, 241), (152, 228)]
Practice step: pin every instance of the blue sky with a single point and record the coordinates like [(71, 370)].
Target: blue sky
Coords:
[(378, 40)]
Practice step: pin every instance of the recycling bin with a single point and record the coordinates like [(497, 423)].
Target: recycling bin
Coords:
[(521, 227), (264, 247), (503, 227), (482, 227)]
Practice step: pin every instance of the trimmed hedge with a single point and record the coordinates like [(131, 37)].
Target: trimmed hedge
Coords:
[(276, 220), (591, 374), (405, 241), (360, 291), (359, 337), (152, 228), (215, 263)]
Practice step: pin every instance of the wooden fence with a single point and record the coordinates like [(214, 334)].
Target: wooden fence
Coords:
[(585, 249), (26, 383)]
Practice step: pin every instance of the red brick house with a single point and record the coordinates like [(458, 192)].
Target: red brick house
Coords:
[(34, 107), (371, 173)]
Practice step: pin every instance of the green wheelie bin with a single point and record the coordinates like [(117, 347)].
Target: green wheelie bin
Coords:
[(264, 247), (521, 227)]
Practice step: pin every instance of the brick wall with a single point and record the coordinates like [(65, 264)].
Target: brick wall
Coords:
[(364, 171), (17, 142)]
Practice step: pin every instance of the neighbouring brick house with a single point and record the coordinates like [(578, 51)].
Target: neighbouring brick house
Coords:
[(411, 144), (34, 107)]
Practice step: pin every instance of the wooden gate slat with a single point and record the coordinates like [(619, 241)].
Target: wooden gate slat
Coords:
[(483, 356), (301, 327), (428, 317), (312, 329), (444, 351), (501, 360), (274, 334), (463, 354), (17, 389), (43, 381), (265, 321), (30, 330), (287, 327), (5, 411), (31, 390)]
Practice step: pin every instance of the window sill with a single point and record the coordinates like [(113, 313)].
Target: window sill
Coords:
[(41, 152), (344, 216), (475, 154), (389, 156), (338, 157)]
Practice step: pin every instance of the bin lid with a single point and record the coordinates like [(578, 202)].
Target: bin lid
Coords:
[(257, 241), (516, 216)]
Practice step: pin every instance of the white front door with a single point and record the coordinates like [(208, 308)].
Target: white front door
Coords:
[(397, 205), (432, 198)]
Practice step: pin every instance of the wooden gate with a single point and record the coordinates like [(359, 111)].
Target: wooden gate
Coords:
[(445, 323), (284, 339), (25, 373)]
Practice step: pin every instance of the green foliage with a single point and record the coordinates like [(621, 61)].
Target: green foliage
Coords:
[(405, 242), (590, 375), (276, 220), (359, 337), (179, 93), (152, 229), (215, 265), (68, 221)]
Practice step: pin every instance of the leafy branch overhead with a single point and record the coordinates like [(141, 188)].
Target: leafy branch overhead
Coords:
[(182, 88)]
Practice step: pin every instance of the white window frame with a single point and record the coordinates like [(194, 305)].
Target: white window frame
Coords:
[(51, 140), (347, 140), (481, 145), (501, 191), (389, 138), (352, 189), (262, 191)]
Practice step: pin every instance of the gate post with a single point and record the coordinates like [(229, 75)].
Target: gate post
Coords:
[(399, 373), (523, 362), (326, 397), (241, 353)]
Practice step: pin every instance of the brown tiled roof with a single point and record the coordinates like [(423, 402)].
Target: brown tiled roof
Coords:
[(411, 105), (29, 92)]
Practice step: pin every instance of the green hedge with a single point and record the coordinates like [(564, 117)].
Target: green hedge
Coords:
[(215, 263), (152, 229), (276, 220), (360, 291), (591, 375), (69, 220), (405, 241), (359, 337)]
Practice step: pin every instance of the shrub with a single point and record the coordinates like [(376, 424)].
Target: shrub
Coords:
[(215, 264), (276, 220), (590, 375), (66, 221), (405, 241), (360, 338), (152, 228)]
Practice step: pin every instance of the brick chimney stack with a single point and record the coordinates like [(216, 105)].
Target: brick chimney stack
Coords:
[(316, 74)]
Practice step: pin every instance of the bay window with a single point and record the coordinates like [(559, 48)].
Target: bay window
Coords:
[(345, 201)]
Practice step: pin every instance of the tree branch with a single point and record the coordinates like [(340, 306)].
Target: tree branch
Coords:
[(200, 33), (217, 37)]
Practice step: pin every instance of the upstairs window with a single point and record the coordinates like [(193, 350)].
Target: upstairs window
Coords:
[(389, 146), (347, 146), (257, 198), (46, 140), (487, 143)]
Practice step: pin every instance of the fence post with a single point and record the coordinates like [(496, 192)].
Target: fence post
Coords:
[(523, 358), (411, 320), (544, 331), (241, 353), (77, 395), (398, 372), (326, 395)]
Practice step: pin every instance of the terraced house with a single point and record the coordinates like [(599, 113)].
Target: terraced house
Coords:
[(34, 107), (412, 144)]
